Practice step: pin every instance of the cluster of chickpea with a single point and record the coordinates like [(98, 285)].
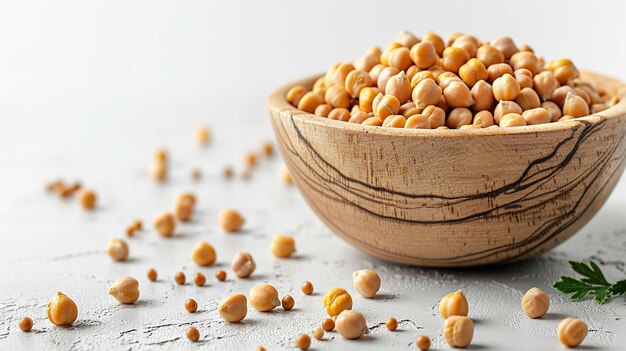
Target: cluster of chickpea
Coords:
[(457, 84)]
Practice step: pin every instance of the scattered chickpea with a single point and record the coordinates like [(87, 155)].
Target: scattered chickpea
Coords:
[(233, 308), (183, 206), (192, 334), (351, 324), (288, 302), (130, 231), (137, 225), (196, 174), (267, 149), (535, 303), (328, 324), (458, 331), (199, 279), (366, 282), (220, 275), (228, 172), (203, 135), (303, 342), (261, 348), (25, 324), (125, 290), (571, 332), (230, 220), (337, 300), (159, 171), (165, 224), (180, 278), (117, 249), (283, 245), (391, 324), (203, 254), (307, 288), (453, 304), (191, 305), (243, 264), (285, 175), (264, 297), (62, 310), (87, 199), (152, 274), (318, 333), (423, 343)]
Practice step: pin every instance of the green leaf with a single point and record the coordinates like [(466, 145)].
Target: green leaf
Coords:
[(604, 294), (570, 285), (579, 295), (619, 288), (593, 283)]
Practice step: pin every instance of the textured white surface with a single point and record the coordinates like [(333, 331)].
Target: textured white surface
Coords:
[(89, 89)]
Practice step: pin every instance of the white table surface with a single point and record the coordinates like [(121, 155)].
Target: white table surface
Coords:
[(89, 89)]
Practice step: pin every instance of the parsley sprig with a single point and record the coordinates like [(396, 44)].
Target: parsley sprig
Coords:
[(594, 283)]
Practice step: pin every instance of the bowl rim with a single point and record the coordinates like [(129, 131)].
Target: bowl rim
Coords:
[(277, 102)]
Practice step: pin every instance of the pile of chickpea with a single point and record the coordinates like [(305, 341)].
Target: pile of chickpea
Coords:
[(461, 83)]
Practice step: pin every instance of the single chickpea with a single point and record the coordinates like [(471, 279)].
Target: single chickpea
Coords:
[(117, 249), (423, 343), (575, 106), (424, 55), (191, 305), (583, 94), (243, 264), (505, 107), (599, 107), (528, 99), (328, 324), (152, 274), (512, 120), (436, 70), (356, 81), (285, 175), (180, 278), (560, 93), (394, 121), (318, 333), (87, 199), (295, 94), (366, 97), (125, 290), (420, 76), (351, 324), (283, 245), (483, 96), (228, 172), (459, 117), (457, 94), (384, 76), (159, 172), (454, 58), (303, 342), (199, 279), (341, 73), (571, 332), (389, 105), (399, 86), (192, 334), (230, 220), (288, 302), (453, 304), (505, 45), (366, 282), (536, 116), (375, 73), (165, 224), (62, 310), (267, 149), (339, 114), (307, 288), (365, 63), (25, 324), (160, 155), (563, 70), (497, 70), (426, 93), (524, 77), (391, 324), (505, 88), (337, 300), (337, 96), (483, 119), (319, 86), (412, 71), (436, 41), (453, 37), (183, 207), (323, 110), (417, 122), (458, 331), (220, 275), (565, 118), (525, 59), (310, 101), (373, 121), (250, 159), (203, 135), (436, 116), (233, 308), (137, 225), (535, 303), (553, 109), (489, 55), (261, 348), (473, 71), (400, 58), (328, 77), (406, 39), (446, 78), (468, 38), (409, 109)]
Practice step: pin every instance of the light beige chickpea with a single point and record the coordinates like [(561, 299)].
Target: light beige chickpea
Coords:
[(183, 206), (436, 116), (323, 110), (458, 331), (524, 77), (420, 76), (399, 86), (125, 290), (560, 93), (505, 88), (436, 40), (400, 58), (468, 45), (62, 310), (575, 106), (337, 300), (87, 199), (283, 245), (599, 107), (357, 80), (498, 70), (295, 94), (427, 92), (366, 97), (483, 96), (527, 99), (571, 332), (525, 59), (384, 76), (337, 96), (453, 304), (424, 55), (318, 333), (285, 175), (264, 297), (339, 114), (512, 120), (545, 84), (203, 134), (553, 109), (310, 101), (375, 72), (394, 121), (117, 249), (203, 254), (233, 308), (320, 86), (373, 121), (436, 70), (454, 58), (452, 38), (388, 105), (563, 70), (366, 282), (483, 119), (457, 94), (489, 55), (583, 94), (446, 78), (472, 72), (459, 116), (374, 51), (407, 39), (536, 116), (340, 74), (243, 264), (411, 71), (423, 343), (409, 109), (359, 117), (365, 63), (535, 303), (505, 45), (351, 324), (505, 107), (231, 220), (417, 121)]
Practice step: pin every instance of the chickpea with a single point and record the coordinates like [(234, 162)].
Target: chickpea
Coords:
[(243, 264), (318, 333), (337, 96), (575, 106), (303, 342), (339, 114), (423, 343), (341, 73), (409, 109), (183, 207), (525, 59), (233, 308), (505, 107), (560, 93), (328, 324), (375, 72), (399, 86), (351, 324), (356, 81), (191, 305), (466, 44), (192, 334), (595, 108), (283, 245), (125, 290), (62, 310), (524, 77), (165, 224), (571, 332), (337, 300), (359, 117), (553, 109), (117, 249), (366, 282), (483, 96), (25, 324), (506, 88), (203, 135), (512, 120), (498, 70), (407, 39), (436, 70), (310, 101), (420, 76), (264, 297), (459, 117), (583, 94), (199, 279), (427, 92), (394, 121), (454, 58), (295, 94), (152, 274), (228, 172), (160, 155), (307, 288), (400, 58), (424, 55), (457, 94), (563, 70), (366, 97), (365, 63), (320, 86), (373, 121), (436, 116), (528, 99), (489, 55), (220, 275), (180, 278), (536, 116), (323, 110), (545, 84), (412, 71), (288, 302), (483, 119), (384, 76), (535, 303), (389, 105), (87, 199), (458, 331), (453, 37), (285, 175), (391, 324), (565, 118), (453, 304), (473, 71), (436, 41), (505, 45), (230, 220), (446, 78), (417, 122)]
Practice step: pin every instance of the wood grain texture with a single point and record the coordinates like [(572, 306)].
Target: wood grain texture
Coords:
[(453, 197)]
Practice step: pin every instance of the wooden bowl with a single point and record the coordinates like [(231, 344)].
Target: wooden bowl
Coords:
[(450, 198)]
